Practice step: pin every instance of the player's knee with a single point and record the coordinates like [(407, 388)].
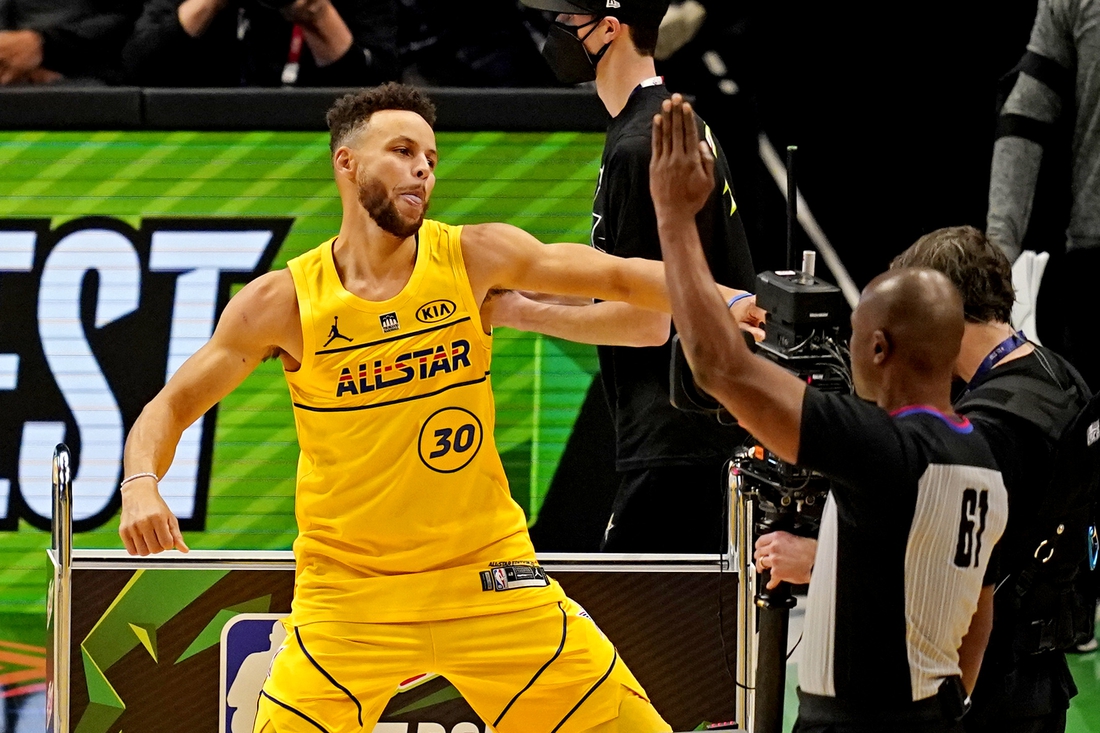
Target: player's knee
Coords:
[(636, 715)]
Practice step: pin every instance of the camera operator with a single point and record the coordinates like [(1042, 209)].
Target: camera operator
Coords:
[(1022, 689), (898, 612)]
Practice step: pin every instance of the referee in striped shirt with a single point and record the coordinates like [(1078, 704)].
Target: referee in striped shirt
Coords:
[(899, 612)]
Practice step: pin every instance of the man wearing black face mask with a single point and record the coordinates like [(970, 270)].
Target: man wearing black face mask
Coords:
[(670, 463)]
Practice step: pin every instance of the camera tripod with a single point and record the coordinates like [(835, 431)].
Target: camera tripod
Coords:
[(767, 496)]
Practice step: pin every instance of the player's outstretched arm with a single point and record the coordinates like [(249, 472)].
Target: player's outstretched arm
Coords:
[(258, 323), (608, 323), (504, 257), (765, 399)]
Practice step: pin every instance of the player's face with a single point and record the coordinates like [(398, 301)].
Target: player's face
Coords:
[(396, 158)]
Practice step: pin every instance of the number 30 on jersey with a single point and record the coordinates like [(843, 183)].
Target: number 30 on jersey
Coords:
[(450, 439)]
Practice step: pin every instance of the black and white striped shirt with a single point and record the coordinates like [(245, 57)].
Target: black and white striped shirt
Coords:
[(916, 508)]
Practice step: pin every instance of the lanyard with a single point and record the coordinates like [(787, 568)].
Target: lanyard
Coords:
[(994, 357), (290, 71)]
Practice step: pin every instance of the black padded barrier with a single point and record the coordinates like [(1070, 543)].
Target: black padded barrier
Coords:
[(70, 108), (129, 108)]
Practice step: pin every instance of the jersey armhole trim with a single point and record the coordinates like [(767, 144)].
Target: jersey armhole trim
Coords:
[(305, 317), (462, 279)]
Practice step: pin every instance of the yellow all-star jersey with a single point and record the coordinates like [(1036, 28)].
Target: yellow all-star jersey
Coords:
[(403, 507)]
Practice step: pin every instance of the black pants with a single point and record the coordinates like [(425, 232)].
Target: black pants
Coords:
[(825, 715), (1049, 723), (891, 727), (674, 509), (1066, 311)]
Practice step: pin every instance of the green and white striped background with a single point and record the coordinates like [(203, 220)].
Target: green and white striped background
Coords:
[(541, 182)]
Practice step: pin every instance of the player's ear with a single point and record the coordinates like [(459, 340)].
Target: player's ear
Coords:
[(882, 347), (343, 162)]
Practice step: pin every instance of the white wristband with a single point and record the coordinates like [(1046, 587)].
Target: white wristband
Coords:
[(136, 476)]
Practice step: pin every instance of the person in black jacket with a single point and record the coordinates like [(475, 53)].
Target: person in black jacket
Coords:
[(225, 43), (45, 41), (671, 495)]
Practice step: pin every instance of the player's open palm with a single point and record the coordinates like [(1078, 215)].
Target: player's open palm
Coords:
[(681, 171), (148, 525)]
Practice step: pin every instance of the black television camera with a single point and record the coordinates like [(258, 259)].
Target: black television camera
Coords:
[(806, 334)]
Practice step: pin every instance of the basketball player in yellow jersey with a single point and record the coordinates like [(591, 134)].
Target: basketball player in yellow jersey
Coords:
[(411, 556)]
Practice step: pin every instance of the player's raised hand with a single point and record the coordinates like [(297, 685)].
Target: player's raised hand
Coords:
[(681, 170), (148, 525)]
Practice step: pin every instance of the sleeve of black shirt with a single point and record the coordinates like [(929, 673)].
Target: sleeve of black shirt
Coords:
[(159, 50), (372, 58), (853, 442), (88, 46)]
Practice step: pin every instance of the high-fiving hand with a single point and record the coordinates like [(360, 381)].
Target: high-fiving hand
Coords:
[(681, 180), (681, 171)]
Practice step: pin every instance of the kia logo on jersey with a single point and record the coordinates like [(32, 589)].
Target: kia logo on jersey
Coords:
[(95, 317), (436, 311)]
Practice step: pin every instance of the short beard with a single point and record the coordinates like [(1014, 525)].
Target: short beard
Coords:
[(381, 208)]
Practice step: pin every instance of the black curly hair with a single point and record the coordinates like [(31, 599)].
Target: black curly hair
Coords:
[(353, 111)]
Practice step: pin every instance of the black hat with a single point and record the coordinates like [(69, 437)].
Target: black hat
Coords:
[(649, 12)]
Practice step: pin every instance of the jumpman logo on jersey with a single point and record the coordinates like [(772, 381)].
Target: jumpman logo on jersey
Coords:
[(334, 332)]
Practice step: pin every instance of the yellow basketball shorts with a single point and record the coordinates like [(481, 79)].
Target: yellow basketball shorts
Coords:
[(544, 670)]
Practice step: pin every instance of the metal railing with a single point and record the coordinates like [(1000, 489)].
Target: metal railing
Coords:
[(59, 612), (742, 508)]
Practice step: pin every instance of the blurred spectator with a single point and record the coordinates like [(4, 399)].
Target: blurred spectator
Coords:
[(43, 41), (443, 43), (224, 43), (1054, 110)]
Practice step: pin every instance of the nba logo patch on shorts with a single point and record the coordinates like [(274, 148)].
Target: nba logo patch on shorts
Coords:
[(500, 579), (508, 576), (249, 644)]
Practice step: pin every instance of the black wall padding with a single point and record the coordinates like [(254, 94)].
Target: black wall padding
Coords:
[(70, 108), (106, 108)]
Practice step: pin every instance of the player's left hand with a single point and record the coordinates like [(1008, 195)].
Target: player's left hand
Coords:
[(503, 308), (20, 54), (681, 171), (749, 316)]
